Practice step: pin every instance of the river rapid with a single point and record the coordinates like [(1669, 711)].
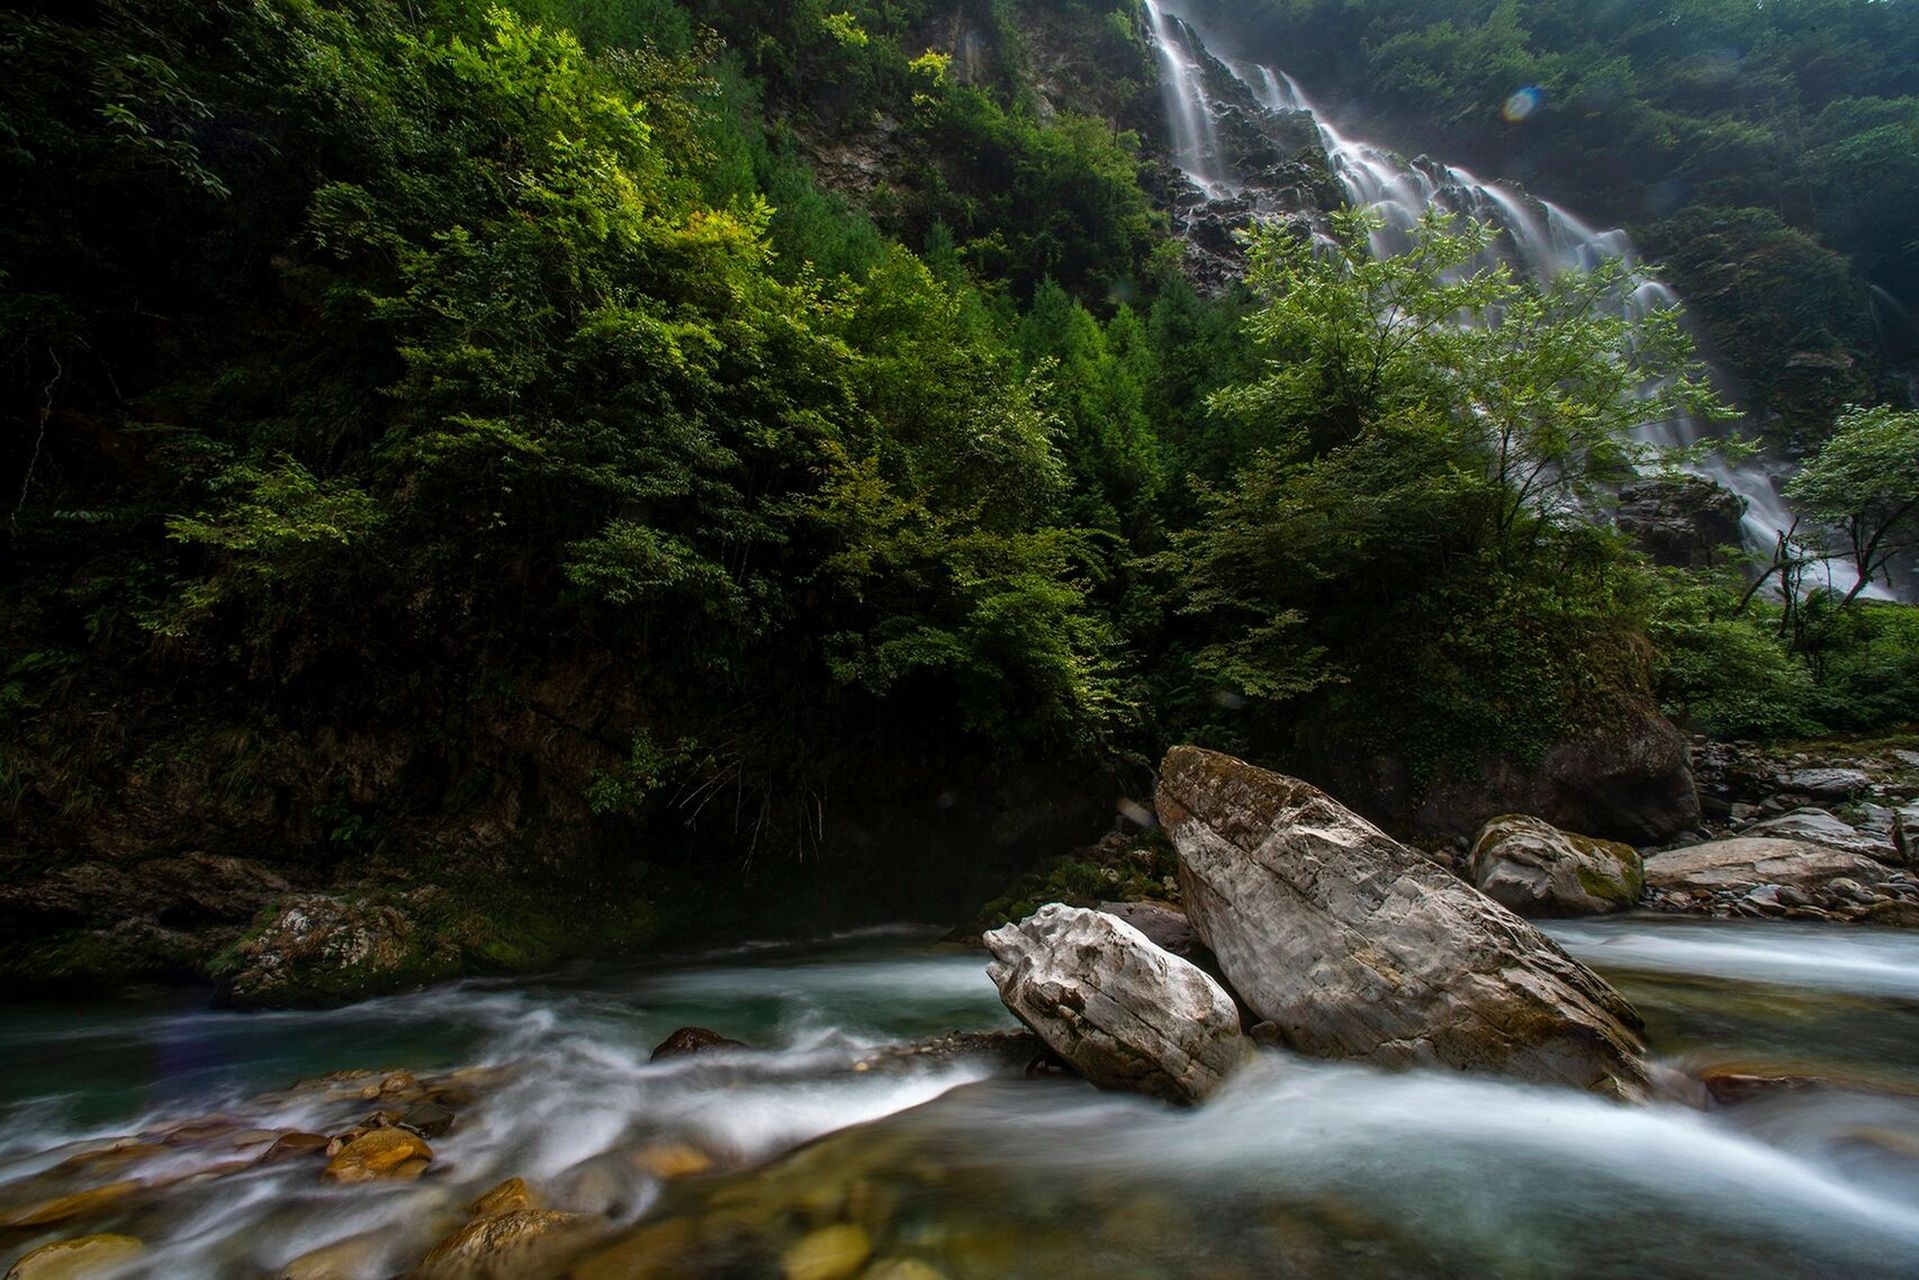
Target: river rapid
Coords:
[(948, 1167)]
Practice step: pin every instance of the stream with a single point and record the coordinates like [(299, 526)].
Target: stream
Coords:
[(948, 1167)]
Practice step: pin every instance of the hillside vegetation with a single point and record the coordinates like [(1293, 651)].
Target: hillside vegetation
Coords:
[(479, 437)]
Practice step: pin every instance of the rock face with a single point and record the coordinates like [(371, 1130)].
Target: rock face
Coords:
[(1122, 1012), (1746, 862), (1356, 947), (1630, 781), (1681, 521), (1539, 870), (321, 949)]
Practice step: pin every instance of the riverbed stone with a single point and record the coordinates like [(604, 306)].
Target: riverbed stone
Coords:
[(382, 1154), (1538, 870), (43, 1213), (507, 1197), (76, 1259), (1830, 784), (837, 1252), (1355, 946), (496, 1246), (1122, 1012), (1819, 826), (691, 1040), (1743, 863)]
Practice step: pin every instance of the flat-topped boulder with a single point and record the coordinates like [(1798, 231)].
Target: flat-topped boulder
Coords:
[(1819, 826), (1538, 870), (1122, 1012), (1355, 946), (1745, 862)]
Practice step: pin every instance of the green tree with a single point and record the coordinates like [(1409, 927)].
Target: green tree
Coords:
[(1404, 560), (1863, 484)]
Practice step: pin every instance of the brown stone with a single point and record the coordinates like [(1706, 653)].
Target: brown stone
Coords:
[(293, 1146), (61, 1208), (692, 1040), (381, 1154), (75, 1259), (662, 1251), (499, 1245), (509, 1197), (669, 1160)]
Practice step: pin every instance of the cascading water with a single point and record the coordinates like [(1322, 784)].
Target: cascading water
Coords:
[(1540, 238), (1189, 112), (1544, 243)]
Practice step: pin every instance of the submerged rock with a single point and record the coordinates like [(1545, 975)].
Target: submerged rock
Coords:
[(837, 1252), (1539, 870), (1122, 1012), (497, 1246), (76, 1259), (688, 1040), (1355, 946), (381, 1154)]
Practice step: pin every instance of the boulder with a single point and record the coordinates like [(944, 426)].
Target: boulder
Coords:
[(1745, 862), (1122, 1012), (1630, 780), (1827, 784), (1355, 946), (1817, 826), (1539, 870)]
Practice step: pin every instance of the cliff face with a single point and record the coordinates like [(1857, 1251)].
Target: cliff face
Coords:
[(1053, 61)]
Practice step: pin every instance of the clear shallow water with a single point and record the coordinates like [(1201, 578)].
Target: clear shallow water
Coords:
[(1299, 1168)]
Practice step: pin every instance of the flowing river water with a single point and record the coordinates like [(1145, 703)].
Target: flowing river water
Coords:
[(1297, 1168)]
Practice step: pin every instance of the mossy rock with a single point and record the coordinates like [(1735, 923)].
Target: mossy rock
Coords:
[(1538, 870)]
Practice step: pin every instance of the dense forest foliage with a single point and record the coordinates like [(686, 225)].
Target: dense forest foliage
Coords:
[(504, 389)]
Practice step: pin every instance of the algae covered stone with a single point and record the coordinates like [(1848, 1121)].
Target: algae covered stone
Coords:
[(1539, 870)]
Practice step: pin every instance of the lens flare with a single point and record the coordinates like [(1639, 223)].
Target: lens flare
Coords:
[(1522, 104)]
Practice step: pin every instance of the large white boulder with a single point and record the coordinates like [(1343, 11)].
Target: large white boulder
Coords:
[(1355, 946), (1122, 1012)]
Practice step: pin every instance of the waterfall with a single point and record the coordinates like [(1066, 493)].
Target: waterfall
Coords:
[(1189, 111), (1539, 238)]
